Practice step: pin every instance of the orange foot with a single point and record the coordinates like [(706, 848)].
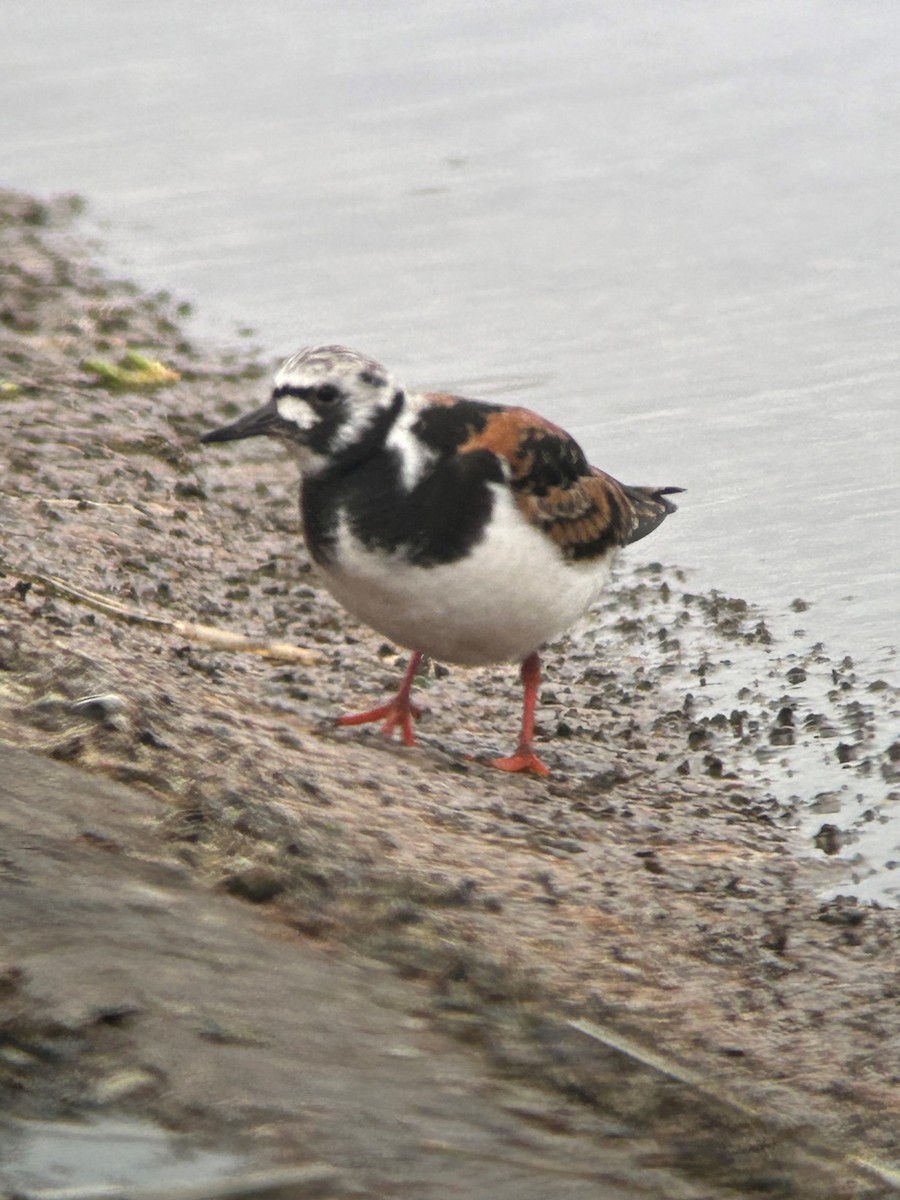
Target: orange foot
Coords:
[(524, 759), (399, 711)]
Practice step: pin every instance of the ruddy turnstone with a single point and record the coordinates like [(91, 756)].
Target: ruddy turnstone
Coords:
[(466, 531)]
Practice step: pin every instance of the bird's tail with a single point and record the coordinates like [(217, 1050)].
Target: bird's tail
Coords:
[(650, 508)]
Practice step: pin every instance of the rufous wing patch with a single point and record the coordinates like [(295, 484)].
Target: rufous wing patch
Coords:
[(579, 507), (537, 454), (513, 434), (585, 520)]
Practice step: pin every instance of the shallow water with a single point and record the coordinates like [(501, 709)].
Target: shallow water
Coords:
[(104, 1153), (773, 708), (672, 228)]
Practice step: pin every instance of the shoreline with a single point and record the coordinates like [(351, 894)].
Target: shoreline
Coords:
[(652, 891)]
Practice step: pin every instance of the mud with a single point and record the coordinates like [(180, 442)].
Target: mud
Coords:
[(668, 942)]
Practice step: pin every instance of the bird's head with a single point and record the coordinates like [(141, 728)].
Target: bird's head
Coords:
[(329, 405)]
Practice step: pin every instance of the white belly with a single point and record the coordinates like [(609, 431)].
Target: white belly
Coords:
[(511, 594)]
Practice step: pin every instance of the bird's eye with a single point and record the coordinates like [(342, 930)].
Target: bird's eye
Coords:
[(328, 393)]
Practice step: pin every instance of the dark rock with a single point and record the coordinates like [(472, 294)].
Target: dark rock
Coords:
[(258, 884)]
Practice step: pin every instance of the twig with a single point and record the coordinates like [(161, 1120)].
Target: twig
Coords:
[(533, 1165), (814, 1144), (314, 1179), (207, 635)]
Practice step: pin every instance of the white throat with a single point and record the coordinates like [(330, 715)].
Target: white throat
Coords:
[(415, 457)]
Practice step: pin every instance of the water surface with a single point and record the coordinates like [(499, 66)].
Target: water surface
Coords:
[(671, 227)]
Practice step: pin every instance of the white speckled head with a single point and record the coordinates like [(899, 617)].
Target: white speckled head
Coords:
[(328, 364), (332, 400), (328, 403)]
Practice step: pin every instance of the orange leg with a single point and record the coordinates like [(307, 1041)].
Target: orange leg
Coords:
[(398, 711), (525, 758)]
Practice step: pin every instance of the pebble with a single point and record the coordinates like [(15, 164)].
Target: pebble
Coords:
[(99, 707), (122, 1085), (258, 884)]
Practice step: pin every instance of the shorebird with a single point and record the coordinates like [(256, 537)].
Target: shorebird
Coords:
[(469, 532)]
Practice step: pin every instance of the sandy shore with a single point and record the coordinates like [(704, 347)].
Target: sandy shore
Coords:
[(639, 939)]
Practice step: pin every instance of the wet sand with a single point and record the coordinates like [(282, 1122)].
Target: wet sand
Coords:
[(639, 942)]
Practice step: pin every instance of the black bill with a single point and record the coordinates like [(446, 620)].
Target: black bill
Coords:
[(255, 424)]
